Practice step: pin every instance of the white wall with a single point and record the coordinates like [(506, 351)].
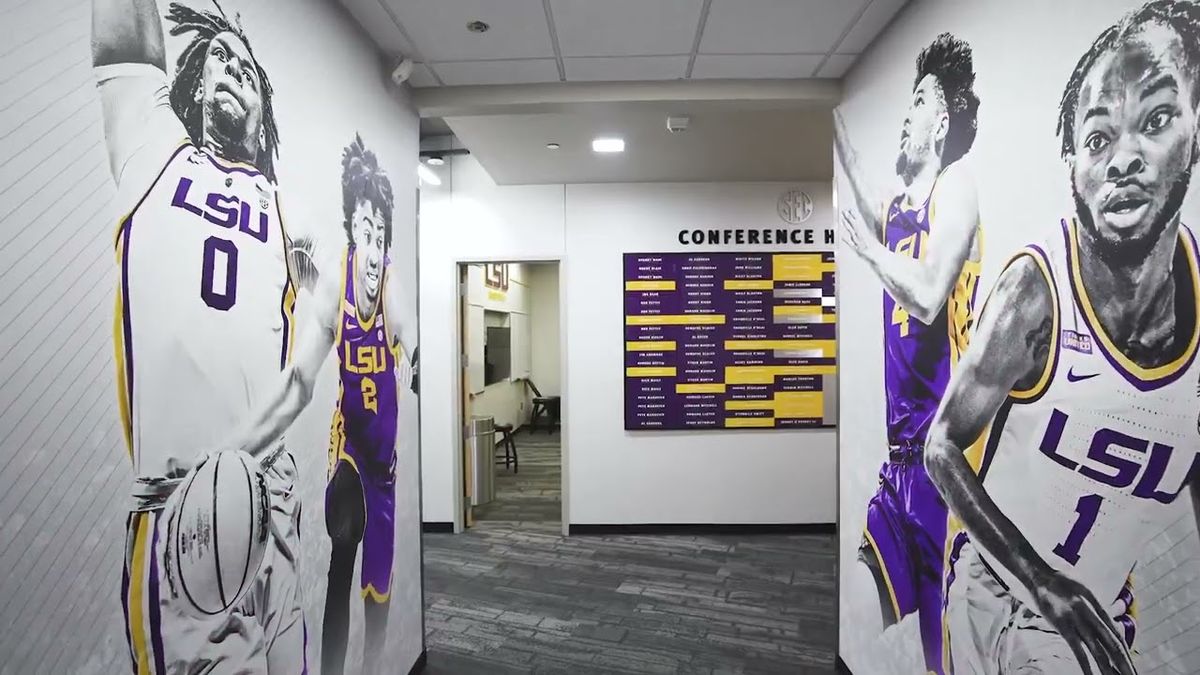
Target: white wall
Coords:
[(467, 218), (544, 328), (719, 476), (613, 476), (506, 400)]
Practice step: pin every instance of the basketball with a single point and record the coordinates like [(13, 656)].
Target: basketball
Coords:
[(217, 532)]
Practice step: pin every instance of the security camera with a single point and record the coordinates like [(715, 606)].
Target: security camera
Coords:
[(402, 71)]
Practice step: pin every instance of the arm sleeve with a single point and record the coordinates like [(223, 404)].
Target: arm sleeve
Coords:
[(141, 130)]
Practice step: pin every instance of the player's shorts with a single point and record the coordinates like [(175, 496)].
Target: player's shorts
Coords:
[(904, 541), (264, 633), (991, 632), (379, 507)]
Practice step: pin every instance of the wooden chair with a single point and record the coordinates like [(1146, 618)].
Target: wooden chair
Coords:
[(548, 406), (509, 445)]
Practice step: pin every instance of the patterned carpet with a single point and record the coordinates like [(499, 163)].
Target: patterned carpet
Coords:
[(512, 595)]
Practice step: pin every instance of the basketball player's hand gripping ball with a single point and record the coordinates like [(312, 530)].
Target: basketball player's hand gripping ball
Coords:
[(217, 532)]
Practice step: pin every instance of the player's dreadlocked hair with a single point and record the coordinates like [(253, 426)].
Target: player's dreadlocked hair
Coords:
[(948, 60), (1181, 17), (363, 180), (189, 69)]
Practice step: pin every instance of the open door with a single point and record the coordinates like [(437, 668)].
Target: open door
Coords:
[(464, 373)]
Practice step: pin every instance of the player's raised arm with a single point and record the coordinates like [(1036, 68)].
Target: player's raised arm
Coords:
[(922, 285), (264, 427), (127, 31), (1010, 350), (865, 200)]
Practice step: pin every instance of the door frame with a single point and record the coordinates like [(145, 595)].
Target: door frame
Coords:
[(460, 423)]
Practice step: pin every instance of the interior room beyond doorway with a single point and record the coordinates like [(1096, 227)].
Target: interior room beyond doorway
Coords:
[(512, 375)]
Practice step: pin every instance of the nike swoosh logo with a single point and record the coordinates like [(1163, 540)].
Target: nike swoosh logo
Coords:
[(1072, 377)]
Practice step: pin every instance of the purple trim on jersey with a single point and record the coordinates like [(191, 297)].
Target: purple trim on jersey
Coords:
[(127, 326), (155, 618), (304, 654), (229, 169), (1137, 382), (1055, 325), (125, 599), (960, 540)]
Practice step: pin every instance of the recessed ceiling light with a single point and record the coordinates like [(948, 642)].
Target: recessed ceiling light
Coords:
[(553, 146), (478, 26), (609, 144), (435, 161)]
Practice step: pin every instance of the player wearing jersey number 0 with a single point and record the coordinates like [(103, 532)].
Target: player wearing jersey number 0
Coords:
[(1083, 374), (203, 315), (924, 244)]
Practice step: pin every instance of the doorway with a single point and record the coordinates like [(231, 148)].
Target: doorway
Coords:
[(512, 381)]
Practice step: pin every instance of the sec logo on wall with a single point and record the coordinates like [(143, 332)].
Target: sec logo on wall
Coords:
[(794, 207)]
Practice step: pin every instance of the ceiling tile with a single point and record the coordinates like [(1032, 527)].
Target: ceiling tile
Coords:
[(837, 65), (524, 71), (439, 28), (421, 77), (625, 27), (614, 68), (776, 26), (379, 25), (873, 20), (710, 66)]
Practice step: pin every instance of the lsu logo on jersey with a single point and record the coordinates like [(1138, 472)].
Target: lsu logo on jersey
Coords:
[(227, 211), (1118, 460), (366, 360)]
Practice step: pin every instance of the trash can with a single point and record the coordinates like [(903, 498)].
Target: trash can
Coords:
[(482, 440)]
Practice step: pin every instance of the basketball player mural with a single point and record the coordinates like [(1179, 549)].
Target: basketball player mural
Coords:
[(203, 315), (360, 312), (924, 244), (1083, 366)]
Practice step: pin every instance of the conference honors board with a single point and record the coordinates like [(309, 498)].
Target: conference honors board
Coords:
[(1018, 322), (729, 340), (207, 242)]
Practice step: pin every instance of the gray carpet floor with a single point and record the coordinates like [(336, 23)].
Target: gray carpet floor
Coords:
[(512, 595)]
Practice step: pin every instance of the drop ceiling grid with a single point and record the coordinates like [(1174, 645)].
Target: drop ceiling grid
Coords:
[(585, 40)]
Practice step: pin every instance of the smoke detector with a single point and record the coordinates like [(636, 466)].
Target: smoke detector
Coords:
[(677, 123)]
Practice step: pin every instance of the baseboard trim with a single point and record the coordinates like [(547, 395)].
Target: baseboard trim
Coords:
[(419, 665), (446, 528), (704, 528), (840, 666)]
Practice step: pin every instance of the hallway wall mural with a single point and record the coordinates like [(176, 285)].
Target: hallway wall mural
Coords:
[(209, 422), (1018, 304)]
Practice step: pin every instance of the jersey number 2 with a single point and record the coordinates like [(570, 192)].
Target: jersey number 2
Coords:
[(216, 251), (1088, 508)]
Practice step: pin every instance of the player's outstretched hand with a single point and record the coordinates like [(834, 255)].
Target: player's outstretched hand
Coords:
[(854, 231), (1076, 614)]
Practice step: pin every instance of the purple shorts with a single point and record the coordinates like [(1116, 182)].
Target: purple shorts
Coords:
[(379, 530), (906, 536)]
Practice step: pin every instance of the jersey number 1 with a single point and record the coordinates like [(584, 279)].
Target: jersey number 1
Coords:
[(224, 296), (1088, 508)]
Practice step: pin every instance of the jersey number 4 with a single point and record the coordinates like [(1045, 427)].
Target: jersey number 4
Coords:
[(218, 280)]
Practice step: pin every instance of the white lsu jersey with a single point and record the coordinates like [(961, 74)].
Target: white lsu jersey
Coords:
[(1085, 462), (204, 307)]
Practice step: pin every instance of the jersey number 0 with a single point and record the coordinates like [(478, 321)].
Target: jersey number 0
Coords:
[(218, 281)]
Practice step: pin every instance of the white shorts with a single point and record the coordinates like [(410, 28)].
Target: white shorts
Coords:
[(264, 633), (991, 632)]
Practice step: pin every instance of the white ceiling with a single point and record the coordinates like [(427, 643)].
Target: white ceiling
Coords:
[(533, 41), (724, 142)]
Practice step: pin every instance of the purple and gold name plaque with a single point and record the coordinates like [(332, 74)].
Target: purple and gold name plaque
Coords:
[(729, 340)]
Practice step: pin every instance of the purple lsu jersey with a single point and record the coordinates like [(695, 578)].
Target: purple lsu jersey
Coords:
[(367, 395), (918, 358)]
